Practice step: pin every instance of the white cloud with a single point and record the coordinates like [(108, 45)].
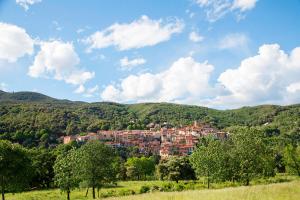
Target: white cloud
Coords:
[(244, 5), (90, 92), (195, 37), (272, 76), (216, 9), (129, 64), (294, 87), (234, 41), (139, 33), (3, 87), (110, 93), (87, 92), (185, 77), (14, 42), (58, 60), (80, 89), (26, 3)]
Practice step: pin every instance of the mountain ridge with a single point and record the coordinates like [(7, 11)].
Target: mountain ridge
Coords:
[(31, 118)]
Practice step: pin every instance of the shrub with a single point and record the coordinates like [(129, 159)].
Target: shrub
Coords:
[(154, 188), (126, 192), (144, 189), (179, 187), (167, 187)]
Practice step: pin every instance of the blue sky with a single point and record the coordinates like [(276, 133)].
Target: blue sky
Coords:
[(216, 53)]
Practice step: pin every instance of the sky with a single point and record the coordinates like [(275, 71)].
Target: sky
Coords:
[(216, 53)]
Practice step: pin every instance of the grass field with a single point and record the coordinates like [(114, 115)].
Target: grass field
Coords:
[(278, 191), (288, 188)]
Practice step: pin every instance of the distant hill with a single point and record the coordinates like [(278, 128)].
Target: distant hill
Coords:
[(29, 97), (31, 117), (24, 97)]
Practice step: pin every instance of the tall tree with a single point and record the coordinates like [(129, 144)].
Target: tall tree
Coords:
[(205, 159), (15, 168), (253, 156), (97, 166), (66, 177)]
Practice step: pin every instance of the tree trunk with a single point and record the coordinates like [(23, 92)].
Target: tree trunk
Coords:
[(98, 192), (87, 191), (68, 194), (94, 195), (208, 180), (2, 188), (247, 181)]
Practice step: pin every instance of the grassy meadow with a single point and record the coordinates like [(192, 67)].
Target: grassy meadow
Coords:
[(277, 188), (277, 191)]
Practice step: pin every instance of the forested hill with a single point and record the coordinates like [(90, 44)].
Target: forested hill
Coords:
[(32, 118)]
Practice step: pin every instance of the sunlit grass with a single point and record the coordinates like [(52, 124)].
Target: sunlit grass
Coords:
[(278, 191), (286, 187)]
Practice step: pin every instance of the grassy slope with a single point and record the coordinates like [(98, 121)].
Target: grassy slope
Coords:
[(280, 191)]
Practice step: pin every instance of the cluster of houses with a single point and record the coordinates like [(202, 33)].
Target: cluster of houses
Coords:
[(164, 142)]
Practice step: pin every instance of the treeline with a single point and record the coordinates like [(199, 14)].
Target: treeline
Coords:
[(247, 154), (37, 124)]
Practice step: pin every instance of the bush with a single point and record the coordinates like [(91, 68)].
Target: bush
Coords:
[(167, 187), (126, 192), (179, 187), (154, 188), (110, 193), (144, 189)]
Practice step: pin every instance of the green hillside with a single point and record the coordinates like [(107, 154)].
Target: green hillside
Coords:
[(30, 118)]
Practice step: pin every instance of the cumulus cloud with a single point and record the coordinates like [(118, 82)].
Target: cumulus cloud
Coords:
[(272, 76), (195, 37), (139, 33), (58, 60), (234, 41), (80, 89), (129, 64), (216, 9), (87, 92), (185, 77), (27, 3), (14, 42)]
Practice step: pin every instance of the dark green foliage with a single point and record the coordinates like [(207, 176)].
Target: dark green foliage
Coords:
[(66, 174), (292, 159), (175, 169), (144, 189), (97, 165), (244, 156), (139, 168), (42, 164), (15, 168)]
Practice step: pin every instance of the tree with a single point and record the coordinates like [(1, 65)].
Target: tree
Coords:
[(97, 165), (292, 151), (253, 157), (140, 167), (292, 159), (205, 160), (42, 162), (66, 177), (175, 169), (15, 168)]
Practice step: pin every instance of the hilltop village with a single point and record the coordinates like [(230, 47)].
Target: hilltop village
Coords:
[(164, 142)]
